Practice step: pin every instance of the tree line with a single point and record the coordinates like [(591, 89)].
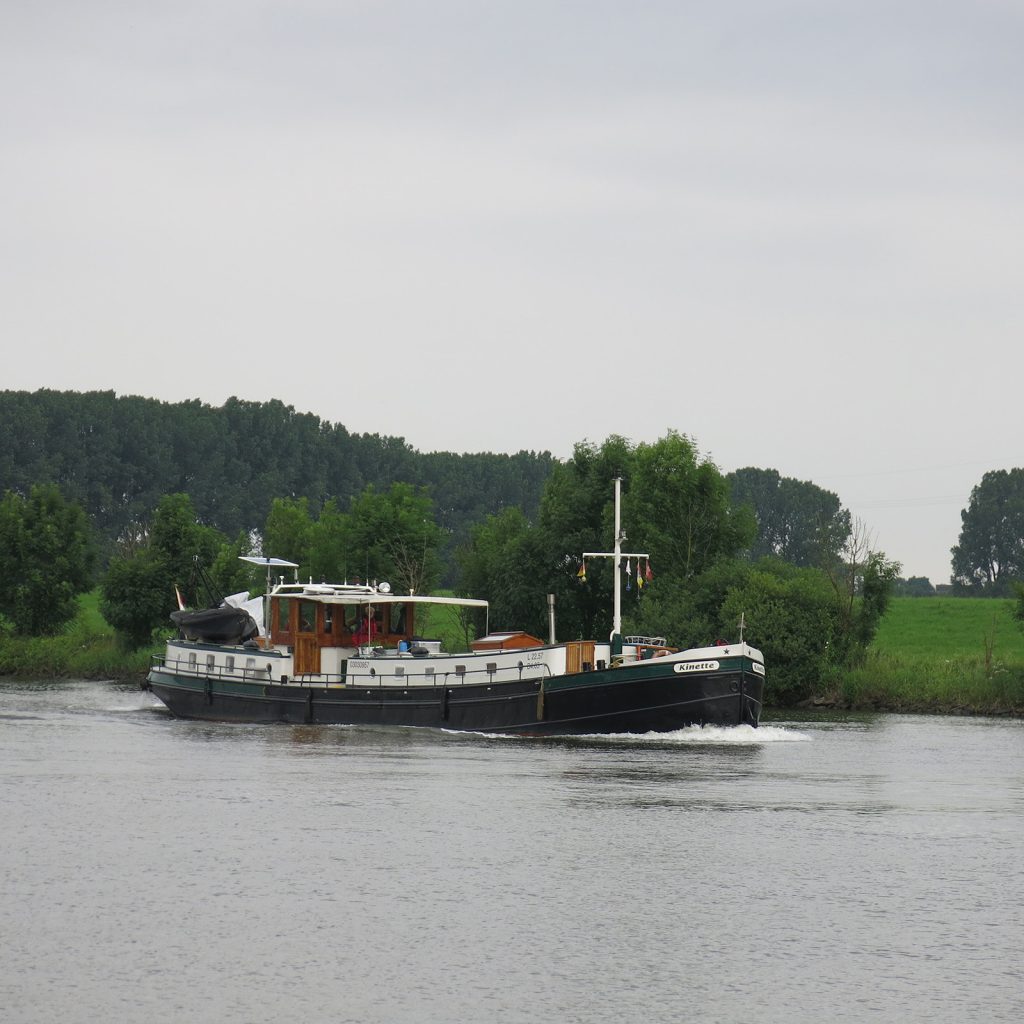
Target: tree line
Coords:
[(117, 456)]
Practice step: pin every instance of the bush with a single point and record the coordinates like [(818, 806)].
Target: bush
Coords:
[(791, 614)]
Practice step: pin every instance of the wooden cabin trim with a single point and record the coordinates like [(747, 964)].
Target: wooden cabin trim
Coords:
[(334, 622)]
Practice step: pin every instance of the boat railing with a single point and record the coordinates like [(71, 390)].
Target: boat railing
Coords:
[(642, 648), (238, 673), (459, 675)]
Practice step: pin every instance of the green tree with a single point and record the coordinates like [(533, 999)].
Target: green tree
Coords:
[(497, 561), (286, 534), (675, 506), (117, 455), (797, 521), (327, 544), (863, 581), (916, 586), (137, 593), (877, 580), (182, 543), (990, 551), (679, 507), (46, 559), (392, 536), (229, 574), (136, 597), (790, 613), (576, 515)]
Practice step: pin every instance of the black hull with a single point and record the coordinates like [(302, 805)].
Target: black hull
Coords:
[(615, 701)]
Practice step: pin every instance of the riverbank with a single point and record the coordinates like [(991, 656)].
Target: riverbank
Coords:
[(87, 649), (931, 656), (924, 686)]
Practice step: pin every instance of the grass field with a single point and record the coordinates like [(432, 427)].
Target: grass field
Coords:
[(950, 627), (939, 654)]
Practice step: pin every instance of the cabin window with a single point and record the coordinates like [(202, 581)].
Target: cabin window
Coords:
[(231, 663), (428, 670), (250, 666), (397, 619), (307, 617), (328, 619), (399, 670), (460, 670), (210, 662), (191, 659), (284, 614)]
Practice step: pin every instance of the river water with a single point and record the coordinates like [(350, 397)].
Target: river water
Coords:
[(164, 870)]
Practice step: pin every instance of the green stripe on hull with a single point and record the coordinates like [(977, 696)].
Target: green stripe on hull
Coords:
[(199, 685), (646, 670)]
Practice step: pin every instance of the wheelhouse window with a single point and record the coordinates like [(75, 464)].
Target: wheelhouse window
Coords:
[(284, 614), (307, 617)]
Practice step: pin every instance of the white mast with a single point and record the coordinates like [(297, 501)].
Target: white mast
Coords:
[(618, 554), (617, 603)]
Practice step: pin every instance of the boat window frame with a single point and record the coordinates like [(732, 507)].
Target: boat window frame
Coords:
[(397, 615), (284, 614), (307, 616)]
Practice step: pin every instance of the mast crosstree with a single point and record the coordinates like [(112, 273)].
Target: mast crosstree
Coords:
[(618, 554)]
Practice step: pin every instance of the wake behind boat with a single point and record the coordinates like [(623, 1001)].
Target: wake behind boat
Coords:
[(349, 654)]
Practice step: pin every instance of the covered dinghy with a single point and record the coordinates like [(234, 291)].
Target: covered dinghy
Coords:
[(223, 625)]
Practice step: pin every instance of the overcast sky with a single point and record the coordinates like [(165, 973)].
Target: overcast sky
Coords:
[(790, 230)]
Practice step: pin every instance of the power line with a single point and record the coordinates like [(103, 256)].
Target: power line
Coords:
[(924, 501), (989, 462)]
